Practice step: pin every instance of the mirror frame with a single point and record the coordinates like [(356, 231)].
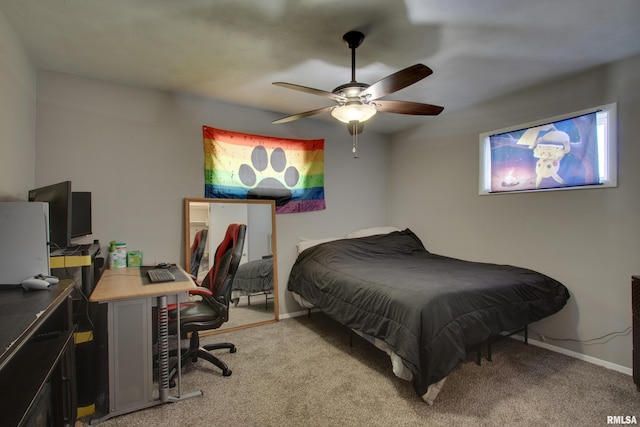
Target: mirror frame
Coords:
[(187, 253)]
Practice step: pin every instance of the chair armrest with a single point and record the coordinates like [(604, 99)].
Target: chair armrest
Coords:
[(204, 292)]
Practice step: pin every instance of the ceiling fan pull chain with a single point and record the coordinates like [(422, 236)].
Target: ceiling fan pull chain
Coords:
[(354, 148)]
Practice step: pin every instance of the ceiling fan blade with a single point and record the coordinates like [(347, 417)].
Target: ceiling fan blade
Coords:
[(406, 107), (311, 90), (397, 81), (302, 115)]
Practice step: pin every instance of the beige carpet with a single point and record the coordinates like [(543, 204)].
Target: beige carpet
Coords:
[(250, 311), (302, 372)]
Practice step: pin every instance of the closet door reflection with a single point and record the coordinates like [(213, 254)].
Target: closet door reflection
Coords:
[(254, 297)]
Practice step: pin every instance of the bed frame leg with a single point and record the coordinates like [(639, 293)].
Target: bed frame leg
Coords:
[(525, 329), (479, 355), (308, 312)]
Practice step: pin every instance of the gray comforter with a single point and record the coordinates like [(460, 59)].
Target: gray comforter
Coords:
[(428, 308), (254, 277)]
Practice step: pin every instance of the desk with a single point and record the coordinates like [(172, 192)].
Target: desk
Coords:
[(129, 326)]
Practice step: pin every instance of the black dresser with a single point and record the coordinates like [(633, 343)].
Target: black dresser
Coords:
[(37, 363), (635, 308)]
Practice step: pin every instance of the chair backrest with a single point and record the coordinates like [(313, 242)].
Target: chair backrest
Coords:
[(197, 250), (225, 263)]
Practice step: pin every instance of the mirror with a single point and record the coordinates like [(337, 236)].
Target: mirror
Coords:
[(254, 296)]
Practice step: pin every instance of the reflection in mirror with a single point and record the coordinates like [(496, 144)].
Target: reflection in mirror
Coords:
[(254, 298)]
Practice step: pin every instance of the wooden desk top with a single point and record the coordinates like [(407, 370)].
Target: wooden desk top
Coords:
[(126, 283)]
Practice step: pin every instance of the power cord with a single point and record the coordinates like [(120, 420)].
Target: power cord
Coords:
[(86, 304), (78, 287), (609, 337)]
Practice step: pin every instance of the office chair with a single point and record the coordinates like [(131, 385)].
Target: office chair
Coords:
[(213, 310), (197, 251)]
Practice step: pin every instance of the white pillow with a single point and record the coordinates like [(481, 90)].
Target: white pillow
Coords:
[(307, 243), (372, 231)]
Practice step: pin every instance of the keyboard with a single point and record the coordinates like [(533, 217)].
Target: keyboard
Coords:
[(160, 275)]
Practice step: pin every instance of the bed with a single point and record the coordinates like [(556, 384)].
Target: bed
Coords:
[(425, 309), (253, 278)]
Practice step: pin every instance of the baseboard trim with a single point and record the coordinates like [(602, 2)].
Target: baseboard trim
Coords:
[(297, 313), (576, 355)]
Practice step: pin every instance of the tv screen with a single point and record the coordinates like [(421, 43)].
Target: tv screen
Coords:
[(59, 198), (80, 213), (572, 151)]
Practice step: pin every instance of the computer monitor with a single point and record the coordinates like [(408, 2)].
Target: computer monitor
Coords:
[(59, 198), (80, 214)]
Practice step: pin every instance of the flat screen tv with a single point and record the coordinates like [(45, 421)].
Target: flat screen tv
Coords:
[(573, 151), (80, 214), (59, 198)]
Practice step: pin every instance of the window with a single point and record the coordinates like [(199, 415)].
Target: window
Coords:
[(572, 151)]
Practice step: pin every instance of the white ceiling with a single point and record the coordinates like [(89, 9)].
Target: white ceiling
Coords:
[(232, 50)]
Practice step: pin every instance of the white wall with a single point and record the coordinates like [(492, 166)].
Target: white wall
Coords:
[(17, 116), (588, 239), (139, 151)]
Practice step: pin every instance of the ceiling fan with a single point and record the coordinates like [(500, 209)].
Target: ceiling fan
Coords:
[(358, 102)]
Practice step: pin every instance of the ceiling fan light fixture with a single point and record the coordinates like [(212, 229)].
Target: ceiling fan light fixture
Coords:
[(354, 111)]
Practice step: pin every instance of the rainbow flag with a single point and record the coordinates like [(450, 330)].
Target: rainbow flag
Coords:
[(244, 166)]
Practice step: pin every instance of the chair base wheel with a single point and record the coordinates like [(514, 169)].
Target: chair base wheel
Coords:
[(195, 353)]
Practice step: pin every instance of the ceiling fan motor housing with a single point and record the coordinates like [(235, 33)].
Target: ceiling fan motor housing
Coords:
[(350, 90)]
